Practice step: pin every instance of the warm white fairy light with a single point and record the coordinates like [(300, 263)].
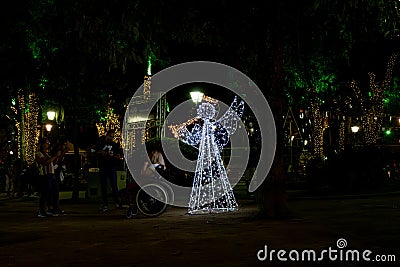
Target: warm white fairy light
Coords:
[(25, 115), (21, 123), (17, 126), (147, 87), (320, 124), (112, 122), (211, 190), (372, 106), (342, 135), (32, 132)]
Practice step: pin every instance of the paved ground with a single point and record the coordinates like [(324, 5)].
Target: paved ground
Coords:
[(87, 237)]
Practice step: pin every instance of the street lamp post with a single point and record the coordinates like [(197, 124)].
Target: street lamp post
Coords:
[(196, 96), (55, 116), (51, 115), (49, 127), (354, 130)]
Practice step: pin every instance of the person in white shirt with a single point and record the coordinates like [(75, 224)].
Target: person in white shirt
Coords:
[(47, 183)]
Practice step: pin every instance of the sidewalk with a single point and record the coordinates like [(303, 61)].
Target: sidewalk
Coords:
[(87, 237)]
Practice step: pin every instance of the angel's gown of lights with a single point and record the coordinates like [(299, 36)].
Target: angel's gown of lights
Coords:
[(211, 190)]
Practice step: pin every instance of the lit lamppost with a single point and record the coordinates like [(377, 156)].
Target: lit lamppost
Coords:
[(48, 124), (48, 127), (51, 115), (197, 97), (354, 130)]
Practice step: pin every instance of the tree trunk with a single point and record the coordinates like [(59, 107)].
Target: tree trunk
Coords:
[(271, 196), (75, 138)]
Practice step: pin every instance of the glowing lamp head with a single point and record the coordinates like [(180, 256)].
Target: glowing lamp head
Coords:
[(197, 97), (49, 127), (355, 129), (51, 115)]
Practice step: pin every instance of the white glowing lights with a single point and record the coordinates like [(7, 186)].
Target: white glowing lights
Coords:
[(51, 115), (48, 127), (355, 128), (197, 97), (211, 191)]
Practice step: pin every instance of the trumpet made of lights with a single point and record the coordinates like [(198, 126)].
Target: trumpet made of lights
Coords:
[(211, 191)]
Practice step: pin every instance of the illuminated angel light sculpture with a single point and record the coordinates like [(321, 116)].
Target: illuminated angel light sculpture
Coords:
[(211, 190)]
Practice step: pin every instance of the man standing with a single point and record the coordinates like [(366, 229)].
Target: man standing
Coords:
[(109, 153), (48, 185)]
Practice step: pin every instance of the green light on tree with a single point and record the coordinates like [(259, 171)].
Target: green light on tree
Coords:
[(102, 115), (149, 65), (42, 83)]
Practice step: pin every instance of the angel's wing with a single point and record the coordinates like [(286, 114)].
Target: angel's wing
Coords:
[(232, 115)]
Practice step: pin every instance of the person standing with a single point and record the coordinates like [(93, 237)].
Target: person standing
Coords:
[(47, 185), (61, 161), (59, 166), (109, 153)]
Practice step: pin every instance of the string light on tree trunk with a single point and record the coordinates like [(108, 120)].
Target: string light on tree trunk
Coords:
[(372, 106), (320, 124), (31, 126), (26, 117), (342, 132)]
